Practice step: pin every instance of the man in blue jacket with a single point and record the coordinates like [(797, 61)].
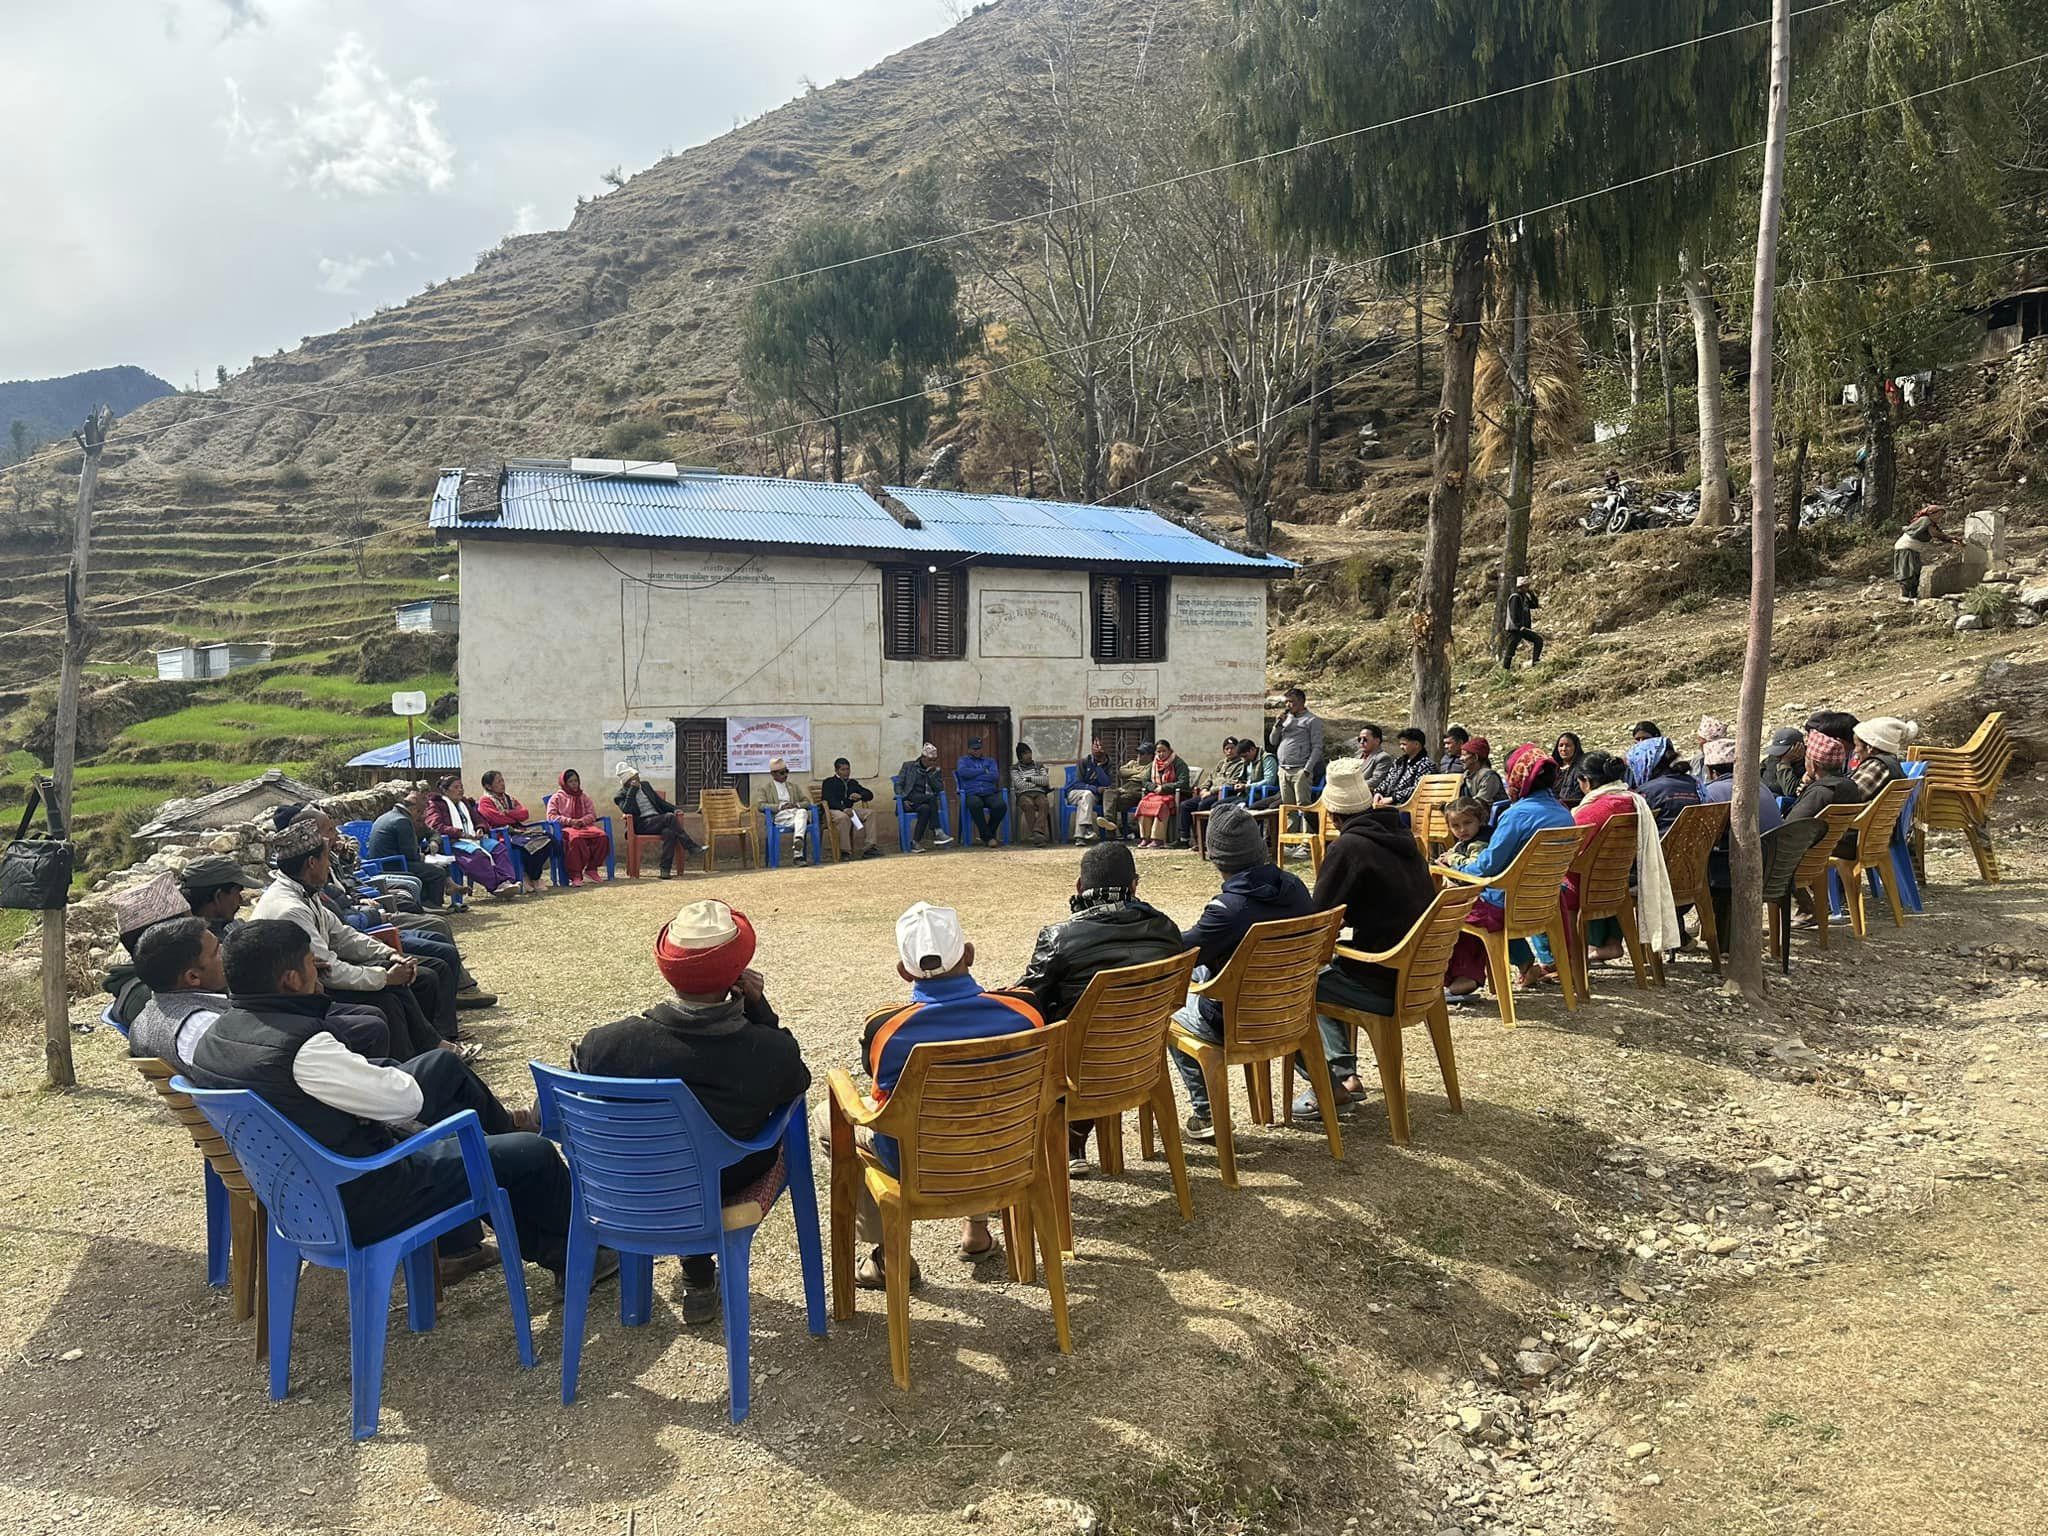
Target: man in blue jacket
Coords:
[(981, 791), (1254, 891), (1093, 779)]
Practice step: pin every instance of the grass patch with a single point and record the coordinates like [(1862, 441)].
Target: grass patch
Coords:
[(345, 691), (245, 721)]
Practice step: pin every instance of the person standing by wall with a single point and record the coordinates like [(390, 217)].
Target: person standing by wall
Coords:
[(1913, 546), (1297, 743)]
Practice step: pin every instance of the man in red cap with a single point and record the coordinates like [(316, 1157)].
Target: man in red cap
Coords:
[(1482, 781), (719, 1036)]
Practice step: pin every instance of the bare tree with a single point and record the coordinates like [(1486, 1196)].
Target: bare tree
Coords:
[(1715, 511)]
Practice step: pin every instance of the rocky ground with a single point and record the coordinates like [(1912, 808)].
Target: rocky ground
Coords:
[(1680, 1267)]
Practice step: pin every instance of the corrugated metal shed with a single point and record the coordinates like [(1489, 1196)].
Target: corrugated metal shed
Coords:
[(549, 500)]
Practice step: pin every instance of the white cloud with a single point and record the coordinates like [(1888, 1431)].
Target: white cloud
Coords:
[(525, 219), (347, 274), (364, 135)]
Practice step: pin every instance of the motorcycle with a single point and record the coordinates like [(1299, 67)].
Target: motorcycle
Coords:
[(1841, 500), (1620, 509)]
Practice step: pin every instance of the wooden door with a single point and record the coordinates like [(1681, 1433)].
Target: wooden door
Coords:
[(1122, 736), (951, 729), (700, 755)]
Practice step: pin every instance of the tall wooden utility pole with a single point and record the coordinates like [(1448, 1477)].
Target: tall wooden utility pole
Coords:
[(1746, 908), (91, 438)]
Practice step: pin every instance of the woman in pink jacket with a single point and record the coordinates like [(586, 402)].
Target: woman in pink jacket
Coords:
[(585, 844), (500, 811)]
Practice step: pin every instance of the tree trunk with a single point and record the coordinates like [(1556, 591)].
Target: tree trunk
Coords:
[(1881, 470), (1430, 701), (1746, 895), (1312, 451), (1258, 527), (838, 449), (1635, 357), (1672, 461), (1420, 384), (1522, 465), (1715, 512), (1802, 458), (1093, 479)]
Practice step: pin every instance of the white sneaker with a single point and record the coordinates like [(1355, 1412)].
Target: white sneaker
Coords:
[(797, 848), (941, 839)]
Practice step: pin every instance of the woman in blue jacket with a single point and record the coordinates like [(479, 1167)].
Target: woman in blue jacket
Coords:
[(1532, 806)]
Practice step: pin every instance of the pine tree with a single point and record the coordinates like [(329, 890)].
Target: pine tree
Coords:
[(1299, 71)]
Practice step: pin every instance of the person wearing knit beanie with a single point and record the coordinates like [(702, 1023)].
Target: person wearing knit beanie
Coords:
[(719, 1035), (1254, 891)]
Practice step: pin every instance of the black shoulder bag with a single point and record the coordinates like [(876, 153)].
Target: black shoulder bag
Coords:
[(35, 872)]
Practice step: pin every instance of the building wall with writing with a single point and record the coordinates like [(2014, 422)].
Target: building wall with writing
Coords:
[(558, 639)]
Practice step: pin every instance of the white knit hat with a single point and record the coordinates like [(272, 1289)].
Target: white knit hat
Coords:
[(624, 771), (1888, 733), (702, 925), (929, 939)]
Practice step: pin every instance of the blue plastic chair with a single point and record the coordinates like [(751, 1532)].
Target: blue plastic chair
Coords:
[(1901, 860), (299, 1182), (644, 1163), (611, 849), (905, 818), (771, 840), (217, 1238)]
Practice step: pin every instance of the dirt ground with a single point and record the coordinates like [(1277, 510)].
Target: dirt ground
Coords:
[(1577, 1307)]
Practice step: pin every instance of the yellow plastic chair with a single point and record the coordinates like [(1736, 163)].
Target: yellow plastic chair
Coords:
[(1268, 996), (1688, 848), (1531, 903), (972, 1120), (724, 816), (1873, 832), (1960, 787), (1603, 866), (1419, 962), (1115, 1061), (1425, 808), (1812, 874)]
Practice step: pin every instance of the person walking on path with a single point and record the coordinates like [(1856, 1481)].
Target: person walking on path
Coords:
[(1521, 625)]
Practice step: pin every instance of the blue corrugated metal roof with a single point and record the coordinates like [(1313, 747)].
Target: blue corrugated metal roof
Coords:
[(830, 519), (441, 756)]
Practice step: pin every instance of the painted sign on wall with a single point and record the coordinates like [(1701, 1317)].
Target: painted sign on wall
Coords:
[(1123, 690), (649, 745), (1031, 624), (1053, 738), (753, 741)]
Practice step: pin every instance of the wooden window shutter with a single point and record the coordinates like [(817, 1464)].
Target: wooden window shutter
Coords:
[(899, 613), (1104, 610), (949, 615), (1148, 618)]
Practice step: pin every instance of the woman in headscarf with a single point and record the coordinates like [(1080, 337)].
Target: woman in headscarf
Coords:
[(1608, 794), (1659, 775), (1532, 806), (497, 809), (585, 844), (453, 815), (1570, 754)]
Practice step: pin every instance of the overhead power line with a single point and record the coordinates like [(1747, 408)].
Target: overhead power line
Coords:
[(999, 225)]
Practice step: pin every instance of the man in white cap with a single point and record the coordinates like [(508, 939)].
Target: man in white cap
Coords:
[(946, 1003), (920, 784), (650, 815), (791, 810), (1880, 744)]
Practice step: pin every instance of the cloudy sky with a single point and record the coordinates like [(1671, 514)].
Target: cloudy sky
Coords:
[(208, 180)]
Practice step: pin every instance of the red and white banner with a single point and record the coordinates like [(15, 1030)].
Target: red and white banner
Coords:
[(752, 742)]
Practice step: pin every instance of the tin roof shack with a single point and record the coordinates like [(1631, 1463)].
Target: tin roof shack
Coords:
[(699, 623), (2011, 322), (201, 663), (431, 616)]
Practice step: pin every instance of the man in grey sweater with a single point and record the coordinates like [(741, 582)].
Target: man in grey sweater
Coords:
[(1296, 741)]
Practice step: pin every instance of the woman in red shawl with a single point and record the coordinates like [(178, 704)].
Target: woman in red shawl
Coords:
[(1532, 806), (585, 844), (499, 809)]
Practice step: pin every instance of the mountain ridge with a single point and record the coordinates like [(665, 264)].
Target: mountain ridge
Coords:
[(53, 408)]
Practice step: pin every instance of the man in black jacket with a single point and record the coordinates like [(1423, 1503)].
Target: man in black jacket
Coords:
[(1372, 869), (649, 814), (1254, 891), (1521, 625), (278, 1042), (920, 784), (720, 1037), (845, 798), (1110, 928)]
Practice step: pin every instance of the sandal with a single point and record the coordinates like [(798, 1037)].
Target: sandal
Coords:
[(981, 1255), (466, 1051), (868, 1276)]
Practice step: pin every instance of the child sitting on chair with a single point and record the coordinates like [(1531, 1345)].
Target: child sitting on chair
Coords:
[(1469, 829)]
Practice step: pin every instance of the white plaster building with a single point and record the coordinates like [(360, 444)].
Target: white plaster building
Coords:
[(698, 622)]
